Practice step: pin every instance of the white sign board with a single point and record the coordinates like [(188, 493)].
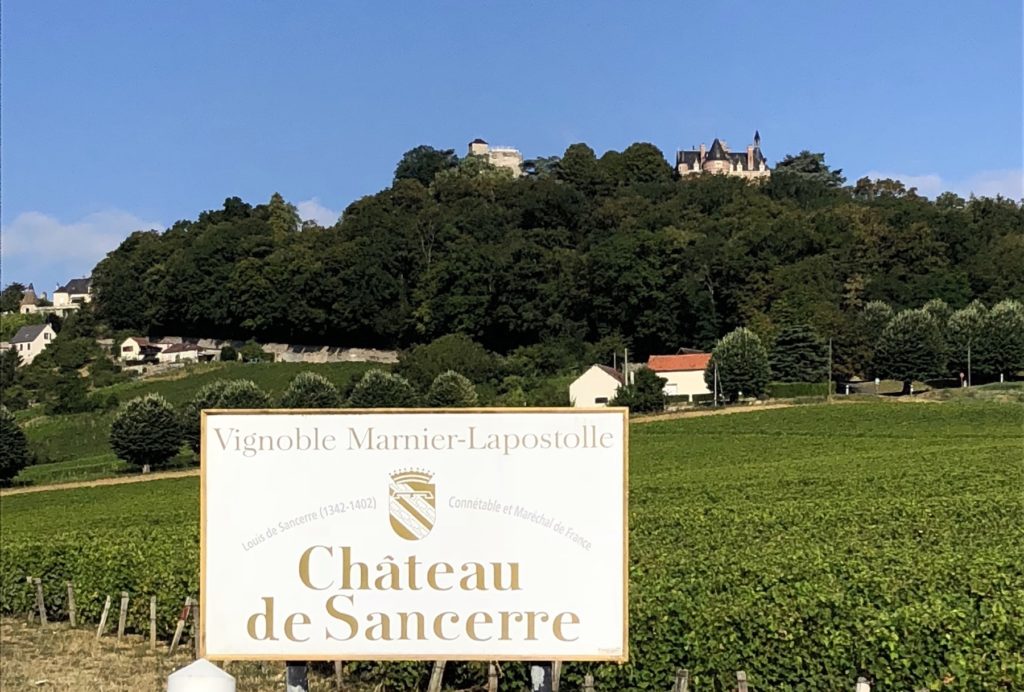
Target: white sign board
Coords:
[(458, 534)]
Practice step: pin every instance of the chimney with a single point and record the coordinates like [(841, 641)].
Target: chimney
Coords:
[(703, 153), (750, 157)]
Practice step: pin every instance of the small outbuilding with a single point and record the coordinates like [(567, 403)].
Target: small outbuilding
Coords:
[(595, 387)]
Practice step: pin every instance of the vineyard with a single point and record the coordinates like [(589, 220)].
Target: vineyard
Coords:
[(807, 546)]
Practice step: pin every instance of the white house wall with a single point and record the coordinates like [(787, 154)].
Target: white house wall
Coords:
[(591, 386)]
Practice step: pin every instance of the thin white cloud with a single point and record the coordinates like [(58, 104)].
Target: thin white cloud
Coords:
[(39, 248), (1008, 183), (312, 210)]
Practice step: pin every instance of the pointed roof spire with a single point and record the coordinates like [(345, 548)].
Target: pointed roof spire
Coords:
[(717, 152), (757, 138)]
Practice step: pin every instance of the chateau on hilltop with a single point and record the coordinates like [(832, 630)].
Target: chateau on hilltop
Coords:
[(718, 159), (502, 157)]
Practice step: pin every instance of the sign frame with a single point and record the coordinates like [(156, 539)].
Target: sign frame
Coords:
[(621, 411)]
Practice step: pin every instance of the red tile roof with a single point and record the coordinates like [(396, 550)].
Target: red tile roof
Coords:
[(687, 361)]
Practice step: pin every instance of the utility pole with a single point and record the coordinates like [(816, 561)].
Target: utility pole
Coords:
[(625, 365), (968, 362), (716, 386), (829, 383)]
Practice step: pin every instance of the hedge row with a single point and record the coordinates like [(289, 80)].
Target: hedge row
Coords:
[(790, 390)]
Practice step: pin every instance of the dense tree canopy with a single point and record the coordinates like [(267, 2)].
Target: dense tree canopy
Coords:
[(593, 247)]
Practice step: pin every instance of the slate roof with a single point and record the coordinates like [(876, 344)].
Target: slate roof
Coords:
[(717, 152), (29, 333), (478, 141), (181, 348), (613, 372), (78, 286), (687, 361)]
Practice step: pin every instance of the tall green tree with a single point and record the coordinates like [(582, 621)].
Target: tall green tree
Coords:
[(810, 166), (742, 363), (10, 297), (798, 355), (146, 431), (1001, 346), (422, 163), (282, 217), (14, 454), (910, 348)]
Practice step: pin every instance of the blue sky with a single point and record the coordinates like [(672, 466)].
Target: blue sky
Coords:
[(125, 115)]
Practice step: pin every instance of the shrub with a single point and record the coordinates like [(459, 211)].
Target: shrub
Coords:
[(310, 390), (243, 394), (103, 401), (382, 389), (208, 396), (789, 390), (228, 353), (742, 365), (146, 431), (14, 454), (646, 394), (1001, 347), (252, 352), (452, 390), (910, 348), (421, 364)]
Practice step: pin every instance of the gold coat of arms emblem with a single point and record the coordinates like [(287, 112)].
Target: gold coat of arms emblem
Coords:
[(411, 504)]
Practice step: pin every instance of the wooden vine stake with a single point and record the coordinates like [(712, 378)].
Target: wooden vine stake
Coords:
[(103, 618), (122, 617), (152, 623), (337, 676), (39, 600), (72, 614), (492, 677), (195, 627), (588, 682), (180, 627), (682, 683), (741, 681), (556, 675), (31, 605), (435, 677)]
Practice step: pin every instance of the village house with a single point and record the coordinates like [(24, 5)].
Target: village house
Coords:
[(31, 340), (73, 293), (684, 373), (140, 348), (595, 387), (182, 353)]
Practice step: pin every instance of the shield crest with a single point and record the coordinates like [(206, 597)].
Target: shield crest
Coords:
[(411, 504)]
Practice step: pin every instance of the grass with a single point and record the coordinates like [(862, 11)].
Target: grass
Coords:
[(806, 543)]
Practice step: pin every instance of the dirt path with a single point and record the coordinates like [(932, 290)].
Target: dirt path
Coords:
[(162, 475), (710, 412)]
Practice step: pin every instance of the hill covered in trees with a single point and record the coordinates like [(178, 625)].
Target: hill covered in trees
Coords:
[(580, 249)]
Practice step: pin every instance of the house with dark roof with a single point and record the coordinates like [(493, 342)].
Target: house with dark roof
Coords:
[(140, 348), (27, 306), (74, 292), (595, 387), (683, 373), (31, 340), (185, 352), (719, 159)]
